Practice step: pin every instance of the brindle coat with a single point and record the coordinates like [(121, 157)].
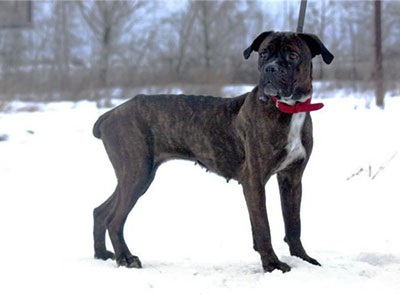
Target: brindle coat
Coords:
[(243, 138)]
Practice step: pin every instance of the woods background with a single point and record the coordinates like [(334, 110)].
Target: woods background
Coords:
[(99, 49)]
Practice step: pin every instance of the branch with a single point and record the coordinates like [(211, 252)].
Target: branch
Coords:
[(90, 19), (384, 165)]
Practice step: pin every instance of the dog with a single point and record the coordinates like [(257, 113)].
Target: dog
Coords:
[(247, 138)]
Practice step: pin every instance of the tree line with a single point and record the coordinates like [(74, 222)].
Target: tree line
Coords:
[(85, 49)]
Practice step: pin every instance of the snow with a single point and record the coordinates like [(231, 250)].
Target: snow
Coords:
[(191, 228)]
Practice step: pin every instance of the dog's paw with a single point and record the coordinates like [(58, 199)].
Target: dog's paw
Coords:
[(304, 256), (129, 261), (311, 260), (104, 255), (272, 265), (297, 249)]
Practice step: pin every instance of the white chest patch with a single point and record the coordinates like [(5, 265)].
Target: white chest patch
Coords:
[(295, 149)]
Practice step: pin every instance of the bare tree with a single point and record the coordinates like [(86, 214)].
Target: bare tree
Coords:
[(12, 56), (65, 40), (379, 91), (108, 21), (320, 15), (185, 30), (84, 49), (62, 38), (218, 27)]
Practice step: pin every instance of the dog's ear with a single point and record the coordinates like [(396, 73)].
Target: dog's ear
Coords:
[(316, 47), (256, 44)]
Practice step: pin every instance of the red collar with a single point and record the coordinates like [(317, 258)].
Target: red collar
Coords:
[(305, 106)]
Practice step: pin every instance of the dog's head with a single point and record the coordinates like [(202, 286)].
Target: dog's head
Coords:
[(285, 63)]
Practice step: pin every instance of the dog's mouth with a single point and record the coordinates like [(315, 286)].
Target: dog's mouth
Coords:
[(270, 89), (287, 93)]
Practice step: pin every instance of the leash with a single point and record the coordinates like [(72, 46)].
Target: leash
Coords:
[(302, 15), (305, 106)]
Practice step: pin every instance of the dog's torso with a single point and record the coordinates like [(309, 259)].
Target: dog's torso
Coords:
[(212, 131)]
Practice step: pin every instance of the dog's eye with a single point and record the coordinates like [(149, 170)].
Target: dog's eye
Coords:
[(293, 56), (264, 54)]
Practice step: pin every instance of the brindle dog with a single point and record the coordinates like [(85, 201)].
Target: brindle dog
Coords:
[(246, 138)]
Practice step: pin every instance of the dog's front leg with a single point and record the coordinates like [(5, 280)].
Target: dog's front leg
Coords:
[(291, 190), (254, 192)]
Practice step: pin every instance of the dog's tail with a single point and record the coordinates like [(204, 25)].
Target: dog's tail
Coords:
[(96, 128)]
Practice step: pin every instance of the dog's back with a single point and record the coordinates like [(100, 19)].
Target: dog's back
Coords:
[(190, 127), (156, 107)]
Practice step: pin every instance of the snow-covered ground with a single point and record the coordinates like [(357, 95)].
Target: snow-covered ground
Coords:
[(191, 228)]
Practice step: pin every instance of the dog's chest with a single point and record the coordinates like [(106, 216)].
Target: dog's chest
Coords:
[(294, 147)]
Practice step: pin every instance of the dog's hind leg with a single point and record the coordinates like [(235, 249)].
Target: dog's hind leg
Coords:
[(101, 217), (129, 190)]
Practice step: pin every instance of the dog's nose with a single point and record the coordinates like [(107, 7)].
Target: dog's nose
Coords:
[(271, 69)]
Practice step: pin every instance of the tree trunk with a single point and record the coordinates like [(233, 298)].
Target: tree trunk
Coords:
[(379, 91), (206, 36)]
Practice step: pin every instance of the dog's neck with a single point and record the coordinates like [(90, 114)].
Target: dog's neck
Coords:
[(290, 106)]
